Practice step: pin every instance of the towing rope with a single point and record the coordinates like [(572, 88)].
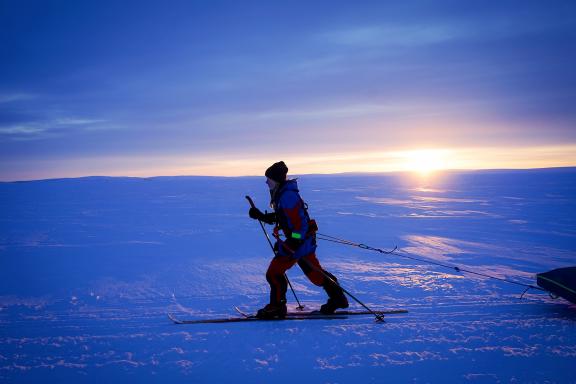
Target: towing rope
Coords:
[(396, 252)]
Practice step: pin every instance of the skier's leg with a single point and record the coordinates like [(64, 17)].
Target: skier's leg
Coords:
[(275, 275), (313, 270)]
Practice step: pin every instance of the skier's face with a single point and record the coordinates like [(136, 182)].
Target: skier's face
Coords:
[(271, 183)]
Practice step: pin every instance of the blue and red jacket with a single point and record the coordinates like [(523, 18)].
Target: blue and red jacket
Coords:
[(292, 218)]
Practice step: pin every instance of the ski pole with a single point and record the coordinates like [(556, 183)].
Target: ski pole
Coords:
[(300, 306)]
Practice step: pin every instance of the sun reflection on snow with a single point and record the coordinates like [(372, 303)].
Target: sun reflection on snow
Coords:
[(434, 206), (398, 275), (433, 247), (427, 206)]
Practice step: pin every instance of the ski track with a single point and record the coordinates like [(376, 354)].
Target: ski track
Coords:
[(87, 282)]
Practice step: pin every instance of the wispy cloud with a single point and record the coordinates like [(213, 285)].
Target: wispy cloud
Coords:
[(20, 130), (390, 35), (53, 128), (322, 113), (342, 111), (428, 33), (77, 121), (15, 97)]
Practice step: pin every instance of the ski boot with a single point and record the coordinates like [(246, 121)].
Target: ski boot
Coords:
[(333, 304), (336, 297), (272, 311)]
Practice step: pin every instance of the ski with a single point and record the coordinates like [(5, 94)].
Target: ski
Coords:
[(304, 315), (248, 319), (347, 313), (318, 314)]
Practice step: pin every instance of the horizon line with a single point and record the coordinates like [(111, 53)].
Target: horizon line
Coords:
[(296, 175)]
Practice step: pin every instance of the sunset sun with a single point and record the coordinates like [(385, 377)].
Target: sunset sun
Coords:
[(424, 162)]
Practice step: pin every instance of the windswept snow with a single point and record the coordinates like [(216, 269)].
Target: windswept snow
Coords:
[(90, 267)]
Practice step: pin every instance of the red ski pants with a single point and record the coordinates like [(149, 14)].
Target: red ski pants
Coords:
[(278, 267)]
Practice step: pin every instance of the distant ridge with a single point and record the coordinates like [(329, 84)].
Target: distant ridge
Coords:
[(344, 174)]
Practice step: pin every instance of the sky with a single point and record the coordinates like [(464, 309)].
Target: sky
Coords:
[(146, 88)]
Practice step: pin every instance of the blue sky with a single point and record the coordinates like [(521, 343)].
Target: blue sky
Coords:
[(228, 87)]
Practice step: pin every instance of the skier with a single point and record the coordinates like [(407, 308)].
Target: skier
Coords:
[(291, 216)]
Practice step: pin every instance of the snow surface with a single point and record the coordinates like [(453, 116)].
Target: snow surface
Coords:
[(90, 267)]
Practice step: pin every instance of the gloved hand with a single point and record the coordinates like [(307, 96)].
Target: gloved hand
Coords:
[(255, 213), (268, 217)]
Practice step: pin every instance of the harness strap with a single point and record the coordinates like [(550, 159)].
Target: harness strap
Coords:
[(312, 225)]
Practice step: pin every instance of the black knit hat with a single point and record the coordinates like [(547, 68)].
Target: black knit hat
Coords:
[(277, 172)]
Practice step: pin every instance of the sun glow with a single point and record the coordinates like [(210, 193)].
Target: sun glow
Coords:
[(424, 162)]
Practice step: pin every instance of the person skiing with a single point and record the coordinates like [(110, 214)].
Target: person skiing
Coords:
[(291, 216)]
